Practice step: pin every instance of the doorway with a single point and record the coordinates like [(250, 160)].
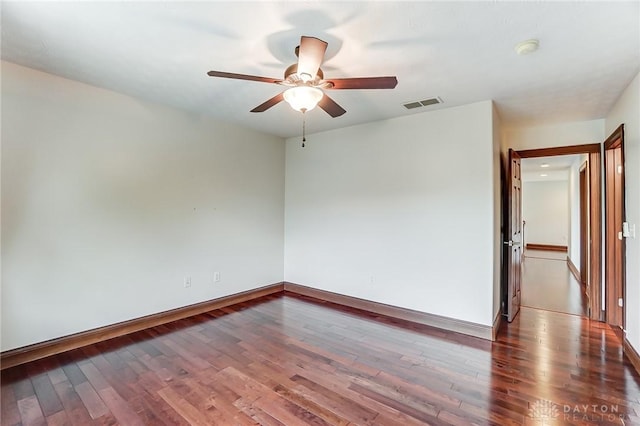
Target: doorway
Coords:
[(555, 214), (594, 309)]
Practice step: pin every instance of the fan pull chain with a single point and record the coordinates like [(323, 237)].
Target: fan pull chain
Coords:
[(304, 127)]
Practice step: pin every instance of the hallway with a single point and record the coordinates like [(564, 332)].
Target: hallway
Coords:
[(548, 284)]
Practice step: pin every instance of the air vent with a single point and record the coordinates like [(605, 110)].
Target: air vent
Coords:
[(426, 102), (412, 105)]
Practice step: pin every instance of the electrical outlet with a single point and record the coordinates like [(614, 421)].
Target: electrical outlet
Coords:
[(187, 281), (216, 277)]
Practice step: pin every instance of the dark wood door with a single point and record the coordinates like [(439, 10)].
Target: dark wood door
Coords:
[(514, 232), (614, 216), (584, 225)]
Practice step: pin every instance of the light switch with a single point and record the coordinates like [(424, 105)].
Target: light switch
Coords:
[(628, 230)]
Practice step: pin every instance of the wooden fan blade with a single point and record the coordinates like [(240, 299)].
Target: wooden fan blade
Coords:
[(363, 83), (310, 56), (243, 77), (331, 107), (268, 104)]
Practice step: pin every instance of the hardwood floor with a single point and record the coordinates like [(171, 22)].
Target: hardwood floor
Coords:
[(547, 283), (287, 360)]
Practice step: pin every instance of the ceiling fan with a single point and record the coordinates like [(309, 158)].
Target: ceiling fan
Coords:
[(306, 81)]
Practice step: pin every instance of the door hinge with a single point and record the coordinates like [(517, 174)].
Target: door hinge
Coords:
[(620, 302), (619, 170)]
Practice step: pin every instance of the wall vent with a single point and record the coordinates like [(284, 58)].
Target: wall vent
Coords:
[(426, 102)]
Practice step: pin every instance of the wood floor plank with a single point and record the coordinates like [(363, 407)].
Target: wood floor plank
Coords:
[(340, 385), (22, 388), (336, 403), (242, 384), (425, 412), (73, 405), (46, 394), (147, 413), (188, 412), (255, 413), (287, 360), (73, 373), (308, 403), (58, 419), (288, 412), (91, 400), (156, 407), (94, 376), (30, 411), (205, 400), (10, 413), (267, 399), (185, 354), (119, 407)]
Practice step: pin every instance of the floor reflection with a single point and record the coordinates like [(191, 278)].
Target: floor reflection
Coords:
[(565, 370), (547, 283)]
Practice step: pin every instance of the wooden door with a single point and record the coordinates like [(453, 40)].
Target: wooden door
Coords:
[(513, 247), (614, 215), (595, 237), (584, 225)]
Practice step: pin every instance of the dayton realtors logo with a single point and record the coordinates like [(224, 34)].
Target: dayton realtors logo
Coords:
[(595, 413), (543, 411)]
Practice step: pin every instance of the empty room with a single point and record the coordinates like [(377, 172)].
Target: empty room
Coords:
[(283, 213)]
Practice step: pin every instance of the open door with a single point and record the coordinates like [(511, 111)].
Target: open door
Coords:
[(513, 247), (614, 247), (584, 225)]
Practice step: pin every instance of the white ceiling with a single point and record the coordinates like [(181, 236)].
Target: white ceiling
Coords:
[(462, 52), (557, 167)]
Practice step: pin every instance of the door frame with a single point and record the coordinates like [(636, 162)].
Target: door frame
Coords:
[(594, 283)]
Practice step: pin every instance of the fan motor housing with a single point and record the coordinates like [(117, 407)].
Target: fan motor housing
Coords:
[(293, 69)]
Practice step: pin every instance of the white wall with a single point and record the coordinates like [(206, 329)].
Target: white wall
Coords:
[(399, 212), (545, 209), (627, 111), (553, 135), (497, 215), (109, 201)]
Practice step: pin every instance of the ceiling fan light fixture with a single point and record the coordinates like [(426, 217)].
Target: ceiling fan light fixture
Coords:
[(303, 97), (306, 81)]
